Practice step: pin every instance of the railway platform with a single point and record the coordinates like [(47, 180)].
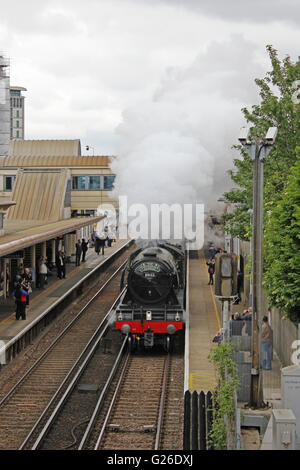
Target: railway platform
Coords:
[(43, 301), (203, 324)]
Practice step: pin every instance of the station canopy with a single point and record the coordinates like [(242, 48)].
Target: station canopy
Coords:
[(17, 238), (39, 207)]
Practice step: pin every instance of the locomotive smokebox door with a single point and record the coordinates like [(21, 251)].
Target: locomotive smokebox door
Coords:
[(226, 275), (148, 339)]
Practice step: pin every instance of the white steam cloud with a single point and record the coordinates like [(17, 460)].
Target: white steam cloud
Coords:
[(176, 148)]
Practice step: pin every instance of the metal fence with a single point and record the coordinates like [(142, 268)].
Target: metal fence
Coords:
[(198, 418), (239, 334)]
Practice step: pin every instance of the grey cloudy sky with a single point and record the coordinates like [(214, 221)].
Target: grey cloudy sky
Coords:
[(85, 63)]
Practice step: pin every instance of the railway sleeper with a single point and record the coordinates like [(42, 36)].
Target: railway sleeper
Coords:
[(117, 428)]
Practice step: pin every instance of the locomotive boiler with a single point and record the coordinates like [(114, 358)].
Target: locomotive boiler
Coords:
[(152, 307)]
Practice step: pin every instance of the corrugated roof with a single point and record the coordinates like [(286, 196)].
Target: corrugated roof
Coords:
[(55, 161), (39, 195), (23, 239), (44, 148)]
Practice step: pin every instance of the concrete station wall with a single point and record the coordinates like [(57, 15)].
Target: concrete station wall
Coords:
[(285, 333)]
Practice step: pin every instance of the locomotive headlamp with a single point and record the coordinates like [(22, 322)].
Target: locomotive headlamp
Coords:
[(171, 329), (120, 316), (177, 317), (125, 329), (148, 315)]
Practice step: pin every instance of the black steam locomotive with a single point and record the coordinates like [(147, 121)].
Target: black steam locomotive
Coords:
[(152, 307)]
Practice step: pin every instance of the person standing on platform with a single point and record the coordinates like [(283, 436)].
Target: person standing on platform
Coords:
[(20, 294), (239, 287), (43, 273), (21, 270), (61, 265), (103, 237), (28, 276), (106, 236), (28, 280), (111, 237), (84, 247), (94, 236), (211, 271), (97, 244), (78, 253), (247, 317), (266, 340)]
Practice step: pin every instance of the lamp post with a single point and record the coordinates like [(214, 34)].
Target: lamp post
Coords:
[(258, 149)]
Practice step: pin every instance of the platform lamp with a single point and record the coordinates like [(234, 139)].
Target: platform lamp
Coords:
[(88, 147), (258, 149)]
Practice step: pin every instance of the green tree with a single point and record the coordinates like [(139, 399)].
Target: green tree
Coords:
[(282, 270), (276, 109), (222, 432), (279, 108)]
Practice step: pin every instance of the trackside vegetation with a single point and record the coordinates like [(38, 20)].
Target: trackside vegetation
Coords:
[(279, 106)]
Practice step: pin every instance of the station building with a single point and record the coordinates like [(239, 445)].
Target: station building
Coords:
[(17, 112), (50, 196)]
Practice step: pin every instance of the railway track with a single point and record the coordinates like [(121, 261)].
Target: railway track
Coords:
[(26, 408), (134, 414)]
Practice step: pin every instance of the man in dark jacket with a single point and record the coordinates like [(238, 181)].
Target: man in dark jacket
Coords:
[(84, 247), (20, 294), (211, 271), (60, 262)]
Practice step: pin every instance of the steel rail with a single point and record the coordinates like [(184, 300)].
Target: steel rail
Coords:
[(112, 402), (96, 338), (116, 393), (58, 338), (35, 322), (103, 394), (162, 402)]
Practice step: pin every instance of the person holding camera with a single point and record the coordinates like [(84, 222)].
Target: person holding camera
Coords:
[(20, 295)]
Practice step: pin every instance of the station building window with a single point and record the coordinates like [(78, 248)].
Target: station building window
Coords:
[(92, 182), (9, 182), (108, 181), (78, 183)]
